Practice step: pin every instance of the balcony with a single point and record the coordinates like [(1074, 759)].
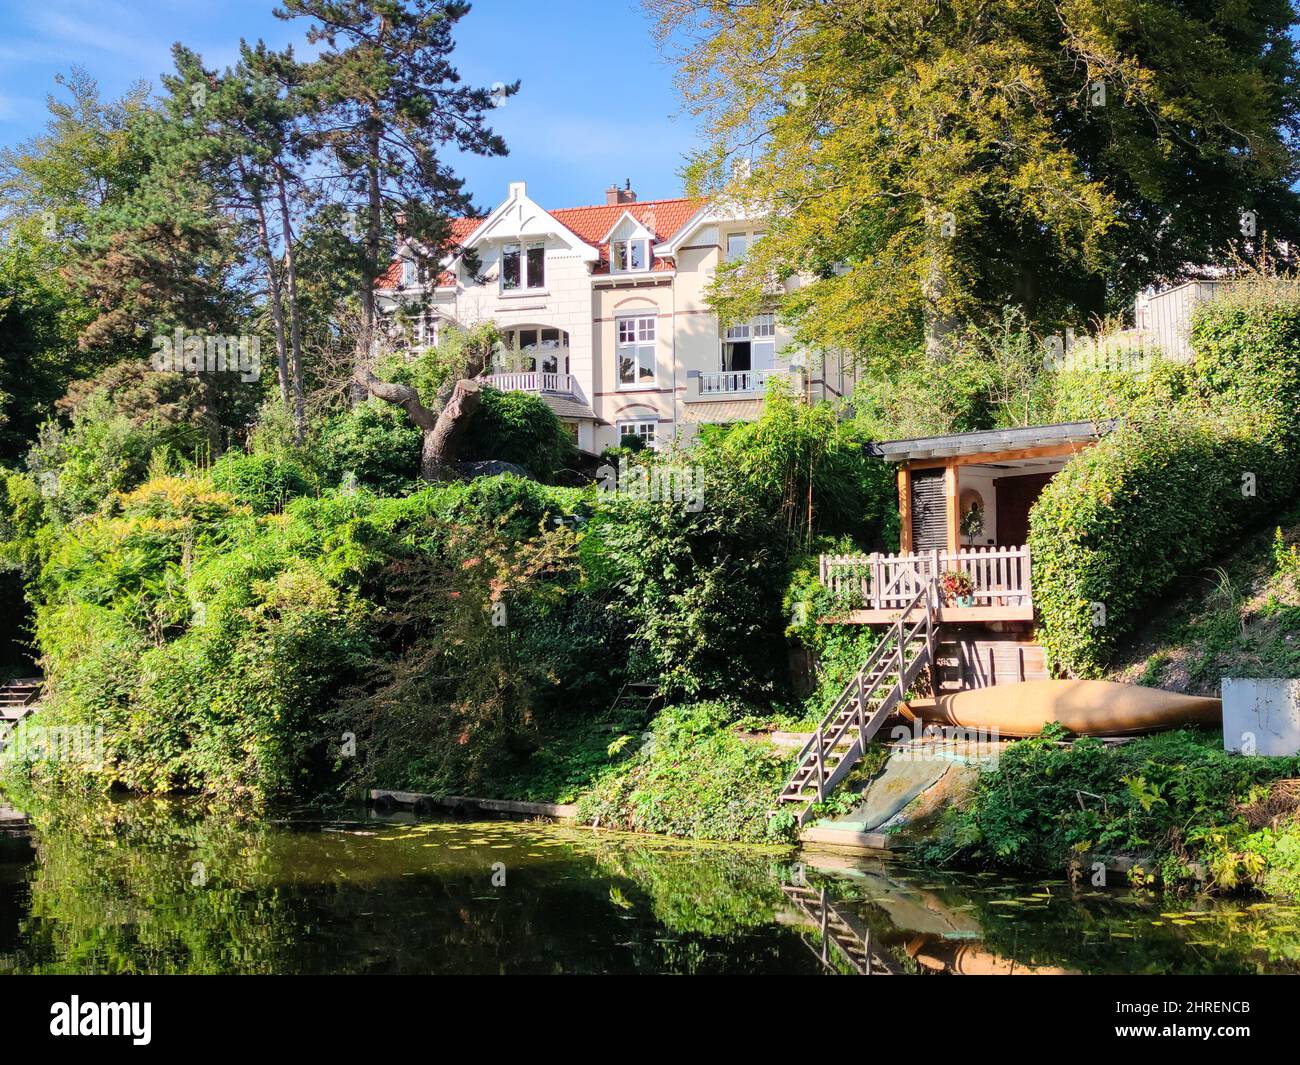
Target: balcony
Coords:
[(735, 384), (558, 383)]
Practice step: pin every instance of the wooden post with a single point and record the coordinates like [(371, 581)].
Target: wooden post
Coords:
[(953, 498), (904, 510), (862, 712), (821, 768), (899, 638)]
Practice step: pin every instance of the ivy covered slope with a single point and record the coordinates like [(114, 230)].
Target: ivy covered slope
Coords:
[(1175, 800), (1204, 454), (257, 629), (1239, 619)]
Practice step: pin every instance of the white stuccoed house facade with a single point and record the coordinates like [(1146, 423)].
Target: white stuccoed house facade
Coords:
[(605, 310)]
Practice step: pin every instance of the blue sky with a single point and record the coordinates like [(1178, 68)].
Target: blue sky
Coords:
[(597, 103)]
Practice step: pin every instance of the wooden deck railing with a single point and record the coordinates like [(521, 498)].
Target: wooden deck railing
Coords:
[(1000, 576)]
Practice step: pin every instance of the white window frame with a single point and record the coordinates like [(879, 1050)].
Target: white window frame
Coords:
[(522, 248), (760, 333), (541, 350), (629, 243), (646, 428), (640, 346), (746, 238)]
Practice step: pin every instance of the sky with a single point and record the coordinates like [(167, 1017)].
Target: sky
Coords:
[(597, 104)]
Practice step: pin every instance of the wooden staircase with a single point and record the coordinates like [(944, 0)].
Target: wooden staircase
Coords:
[(867, 700), (17, 699), (837, 928)]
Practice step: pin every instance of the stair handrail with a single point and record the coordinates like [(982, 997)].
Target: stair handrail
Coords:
[(823, 739), (873, 660)]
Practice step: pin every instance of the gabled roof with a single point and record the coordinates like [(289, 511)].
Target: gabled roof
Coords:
[(987, 441), (662, 218), (590, 225)]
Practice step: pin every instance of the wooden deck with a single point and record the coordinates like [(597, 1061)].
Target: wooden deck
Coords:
[(875, 589)]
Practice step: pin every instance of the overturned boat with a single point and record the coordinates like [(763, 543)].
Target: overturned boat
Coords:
[(1083, 707)]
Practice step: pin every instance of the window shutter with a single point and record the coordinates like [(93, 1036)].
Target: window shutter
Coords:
[(929, 511)]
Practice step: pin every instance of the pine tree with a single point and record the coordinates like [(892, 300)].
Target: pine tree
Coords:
[(385, 99)]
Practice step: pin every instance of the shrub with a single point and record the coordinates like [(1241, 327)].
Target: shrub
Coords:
[(804, 466), (695, 777), (1161, 496), (520, 428), (1176, 795), (376, 444), (263, 482)]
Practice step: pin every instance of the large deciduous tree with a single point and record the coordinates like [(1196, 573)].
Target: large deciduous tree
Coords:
[(924, 162)]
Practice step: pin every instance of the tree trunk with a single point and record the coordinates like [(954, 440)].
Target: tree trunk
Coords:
[(440, 444), (277, 302), (374, 211), (442, 432), (291, 279)]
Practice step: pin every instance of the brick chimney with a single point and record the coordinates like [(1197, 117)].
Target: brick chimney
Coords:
[(614, 194)]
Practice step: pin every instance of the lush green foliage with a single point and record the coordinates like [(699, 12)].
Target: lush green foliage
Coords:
[(1175, 796), (264, 483), (933, 164), (1240, 620), (373, 445), (1162, 495), (694, 777), (811, 469), (520, 428)]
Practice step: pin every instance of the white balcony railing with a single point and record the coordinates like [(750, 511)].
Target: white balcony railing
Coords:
[(732, 381), (531, 382)]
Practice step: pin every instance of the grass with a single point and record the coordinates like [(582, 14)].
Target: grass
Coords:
[(1239, 619)]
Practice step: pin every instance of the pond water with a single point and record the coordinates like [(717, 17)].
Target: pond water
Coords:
[(152, 886)]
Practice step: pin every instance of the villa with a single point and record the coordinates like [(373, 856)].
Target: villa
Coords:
[(604, 312)]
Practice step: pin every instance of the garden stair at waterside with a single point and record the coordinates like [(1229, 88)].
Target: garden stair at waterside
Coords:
[(18, 699), (868, 699)]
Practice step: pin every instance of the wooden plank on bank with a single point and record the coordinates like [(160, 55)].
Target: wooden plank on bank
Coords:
[(856, 841), (559, 811)]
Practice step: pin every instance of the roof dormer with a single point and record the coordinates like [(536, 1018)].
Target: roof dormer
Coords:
[(630, 242)]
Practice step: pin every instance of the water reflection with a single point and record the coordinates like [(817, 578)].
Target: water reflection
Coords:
[(153, 886)]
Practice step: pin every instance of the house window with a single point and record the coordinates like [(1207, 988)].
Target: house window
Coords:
[(410, 273), (644, 430), (738, 244), (636, 351), (523, 266), (546, 350), (629, 256), (750, 345)]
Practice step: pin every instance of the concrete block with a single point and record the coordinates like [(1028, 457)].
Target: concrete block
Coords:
[(1261, 716)]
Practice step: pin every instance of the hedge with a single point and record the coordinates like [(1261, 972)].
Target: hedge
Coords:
[(1160, 497)]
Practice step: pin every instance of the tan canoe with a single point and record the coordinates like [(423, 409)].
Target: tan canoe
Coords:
[(1084, 707)]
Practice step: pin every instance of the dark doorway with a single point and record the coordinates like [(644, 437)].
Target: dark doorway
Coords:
[(1015, 495)]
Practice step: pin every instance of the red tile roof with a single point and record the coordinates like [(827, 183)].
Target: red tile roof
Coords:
[(662, 217), (589, 224)]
